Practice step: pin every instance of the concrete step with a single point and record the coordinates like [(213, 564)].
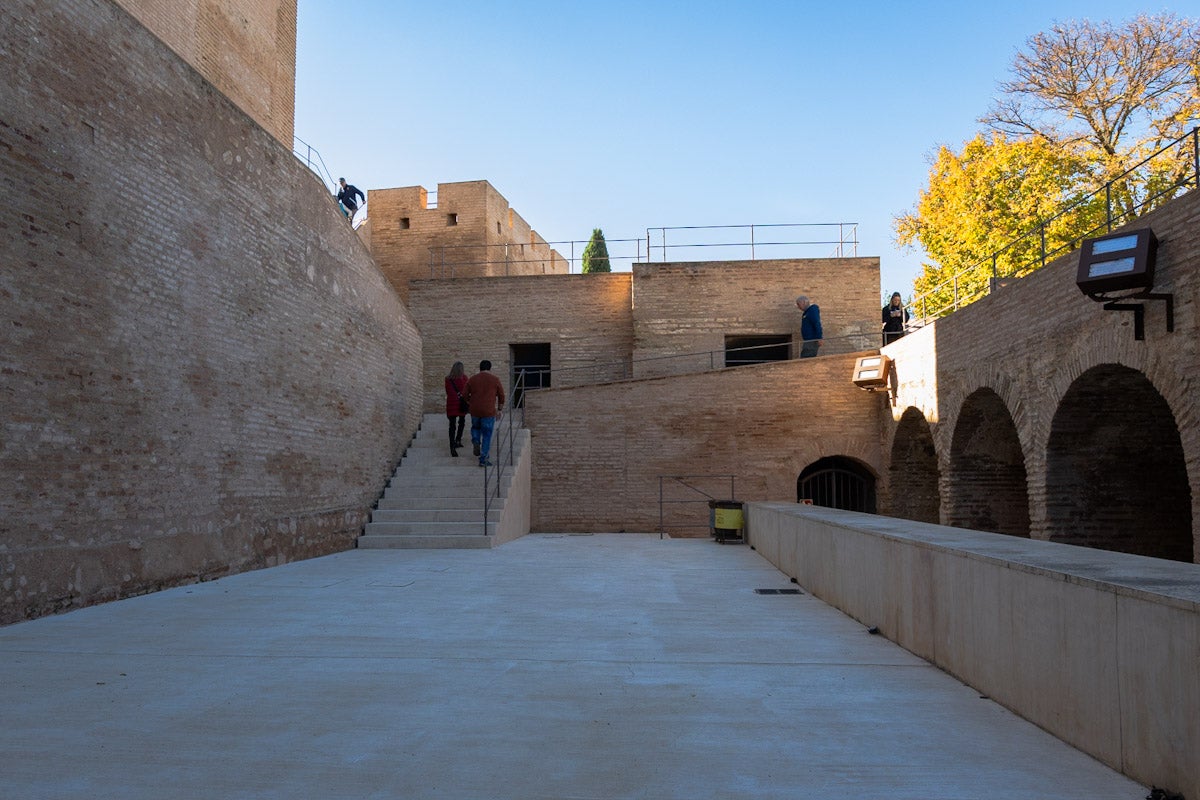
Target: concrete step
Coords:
[(408, 485), (475, 528), (443, 514), (434, 542), (402, 500)]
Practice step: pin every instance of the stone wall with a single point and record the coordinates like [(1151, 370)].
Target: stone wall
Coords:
[(598, 452), (690, 307), (246, 49), (586, 319), (1105, 429), (201, 370), (471, 231)]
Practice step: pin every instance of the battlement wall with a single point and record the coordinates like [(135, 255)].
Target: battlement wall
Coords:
[(471, 232)]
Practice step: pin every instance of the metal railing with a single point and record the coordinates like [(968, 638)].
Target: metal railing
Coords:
[(682, 480), (752, 241), (683, 363), (310, 157), (503, 453), (1069, 226)]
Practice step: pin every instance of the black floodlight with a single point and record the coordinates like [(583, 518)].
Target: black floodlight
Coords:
[(872, 372), (1117, 262)]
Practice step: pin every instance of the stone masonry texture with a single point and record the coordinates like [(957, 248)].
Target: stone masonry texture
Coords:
[(470, 232), (599, 452), (1093, 409), (691, 307), (201, 370), (246, 49)]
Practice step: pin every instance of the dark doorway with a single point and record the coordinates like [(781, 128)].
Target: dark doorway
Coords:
[(914, 470), (987, 487), (743, 350), (1116, 477), (837, 482), (530, 370)]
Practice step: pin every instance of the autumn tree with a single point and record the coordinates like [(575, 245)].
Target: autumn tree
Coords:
[(595, 255), (1086, 103), (980, 200), (1116, 95)]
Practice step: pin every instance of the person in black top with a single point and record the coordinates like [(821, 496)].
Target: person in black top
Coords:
[(894, 317), (346, 197)]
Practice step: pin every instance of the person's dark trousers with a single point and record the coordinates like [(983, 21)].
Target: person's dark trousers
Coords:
[(456, 439), (809, 349), (481, 436), (891, 336)]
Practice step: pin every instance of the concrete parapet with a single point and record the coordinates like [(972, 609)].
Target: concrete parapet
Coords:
[(1099, 648)]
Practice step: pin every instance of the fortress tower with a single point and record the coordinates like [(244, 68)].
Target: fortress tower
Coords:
[(246, 49)]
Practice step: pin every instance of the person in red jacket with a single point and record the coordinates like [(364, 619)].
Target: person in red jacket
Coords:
[(485, 396), (456, 404)]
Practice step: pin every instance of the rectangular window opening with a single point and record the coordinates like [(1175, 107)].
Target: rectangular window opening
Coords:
[(452, 219), (404, 223), (757, 349), (532, 361)]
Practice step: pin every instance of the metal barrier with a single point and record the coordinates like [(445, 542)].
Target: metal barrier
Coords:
[(965, 286), (503, 453), (847, 238), (311, 158), (682, 480)]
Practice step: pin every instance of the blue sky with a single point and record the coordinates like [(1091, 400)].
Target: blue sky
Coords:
[(627, 116)]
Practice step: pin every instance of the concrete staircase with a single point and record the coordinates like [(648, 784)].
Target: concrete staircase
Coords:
[(435, 501)]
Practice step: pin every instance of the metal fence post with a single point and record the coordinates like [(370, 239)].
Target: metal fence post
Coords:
[(1108, 205)]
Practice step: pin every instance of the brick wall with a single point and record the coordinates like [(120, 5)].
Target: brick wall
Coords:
[(201, 370), (246, 49), (471, 230), (1030, 344), (691, 307), (598, 451), (586, 320)]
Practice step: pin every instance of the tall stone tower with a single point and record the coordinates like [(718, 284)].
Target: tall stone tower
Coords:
[(247, 49)]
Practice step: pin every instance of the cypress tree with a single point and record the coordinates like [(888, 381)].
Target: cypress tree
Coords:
[(595, 255)]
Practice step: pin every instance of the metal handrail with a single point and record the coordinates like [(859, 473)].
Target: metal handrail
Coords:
[(310, 157), (847, 236), (503, 449), (682, 481), (919, 305), (860, 342)]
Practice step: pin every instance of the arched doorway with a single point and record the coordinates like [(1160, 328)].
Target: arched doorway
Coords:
[(1116, 478), (837, 482), (987, 488), (913, 470)]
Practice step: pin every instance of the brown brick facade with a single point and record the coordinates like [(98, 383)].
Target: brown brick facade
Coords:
[(1094, 413), (691, 307), (598, 452), (470, 232), (201, 370)]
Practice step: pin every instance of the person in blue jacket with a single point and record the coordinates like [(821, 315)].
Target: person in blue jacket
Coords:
[(346, 196), (810, 326)]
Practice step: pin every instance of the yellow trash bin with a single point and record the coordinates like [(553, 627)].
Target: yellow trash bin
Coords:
[(728, 519)]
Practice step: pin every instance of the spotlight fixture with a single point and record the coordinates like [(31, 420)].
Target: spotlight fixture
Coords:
[(1123, 263)]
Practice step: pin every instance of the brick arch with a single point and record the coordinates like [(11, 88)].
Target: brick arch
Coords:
[(1116, 477), (987, 482), (913, 470), (839, 482)]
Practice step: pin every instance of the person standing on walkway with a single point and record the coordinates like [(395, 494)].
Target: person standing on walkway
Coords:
[(810, 326), (346, 197), (456, 404), (485, 397), (895, 315)]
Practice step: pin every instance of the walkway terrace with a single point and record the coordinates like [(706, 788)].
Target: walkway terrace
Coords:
[(556, 666)]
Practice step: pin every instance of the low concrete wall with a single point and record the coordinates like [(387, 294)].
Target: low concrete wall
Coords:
[(514, 521), (1100, 649)]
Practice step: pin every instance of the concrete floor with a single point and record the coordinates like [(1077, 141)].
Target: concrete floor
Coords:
[(606, 666)]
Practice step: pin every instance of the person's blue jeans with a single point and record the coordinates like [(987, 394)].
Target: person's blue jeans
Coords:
[(481, 434), (809, 349)]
